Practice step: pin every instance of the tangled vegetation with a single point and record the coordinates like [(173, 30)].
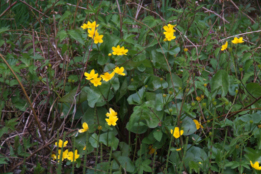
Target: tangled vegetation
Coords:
[(111, 87)]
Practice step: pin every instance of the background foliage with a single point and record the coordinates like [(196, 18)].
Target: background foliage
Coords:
[(167, 85)]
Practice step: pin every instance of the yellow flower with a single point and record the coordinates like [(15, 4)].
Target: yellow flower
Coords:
[(111, 113), (199, 162), (178, 149), (85, 128), (60, 143), (84, 26), (151, 150), (109, 54), (198, 125), (205, 84), (116, 50), (176, 133), (96, 82), (64, 154), (92, 33), (224, 47), (92, 25), (72, 155), (99, 127), (124, 51), (98, 38), (111, 121), (84, 148), (169, 28), (170, 36), (255, 165), (198, 98), (119, 51), (53, 156), (119, 71), (202, 96), (107, 76), (237, 40), (92, 75), (185, 49)]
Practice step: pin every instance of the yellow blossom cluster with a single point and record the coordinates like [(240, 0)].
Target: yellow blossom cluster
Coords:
[(119, 51), (234, 41), (96, 81), (113, 118), (169, 32), (72, 156), (93, 31)]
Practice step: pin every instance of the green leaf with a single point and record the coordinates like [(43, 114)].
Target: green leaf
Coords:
[(3, 29), (157, 133), (125, 163), (74, 34), (188, 126), (94, 140), (254, 89), (109, 139), (220, 81), (136, 98)]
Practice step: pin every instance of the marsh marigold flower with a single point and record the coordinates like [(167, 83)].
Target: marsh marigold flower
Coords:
[(170, 36), (85, 128), (107, 76), (119, 71), (111, 121), (98, 38), (91, 75), (237, 40), (64, 154), (111, 113), (176, 133), (84, 26), (151, 150), (178, 149), (224, 47), (92, 33), (73, 156), (96, 82), (61, 144), (169, 28), (255, 165), (119, 51), (198, 125), (92, 24)]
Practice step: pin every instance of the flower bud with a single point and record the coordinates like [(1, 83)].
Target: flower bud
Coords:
[(230, 49), (40, 78), (210, 133), (205, 84), (170, 92), (180, 88), (193, 104), (164, 95), (170, 110), (214, 103), (237, 146), (251, 121), (161, 79), (240, 69), (204, 105)]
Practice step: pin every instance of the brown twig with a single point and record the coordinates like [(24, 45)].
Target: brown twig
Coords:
[(33, 8), (8, 8)]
